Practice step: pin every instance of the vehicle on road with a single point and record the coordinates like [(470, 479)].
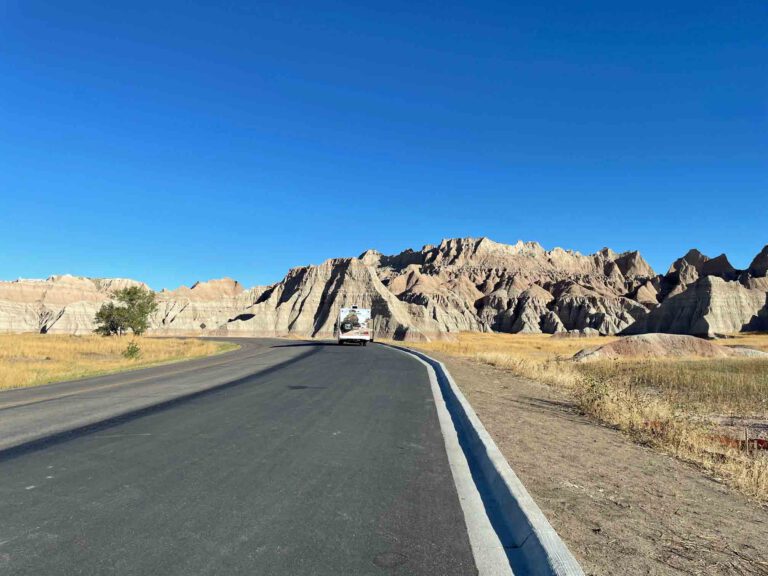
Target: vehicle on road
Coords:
[(355, 325)]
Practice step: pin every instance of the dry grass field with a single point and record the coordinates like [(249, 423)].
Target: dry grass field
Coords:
[(696, 409), (757, 340), (34, 359), (710, 387), (520, 346)]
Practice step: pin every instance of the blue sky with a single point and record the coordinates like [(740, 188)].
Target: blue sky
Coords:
[(176, 141)]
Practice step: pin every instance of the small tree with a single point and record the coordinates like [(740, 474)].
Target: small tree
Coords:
[(139, 304), (111, 319), (136, 305)]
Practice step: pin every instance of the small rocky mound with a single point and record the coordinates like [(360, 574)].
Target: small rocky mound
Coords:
[(662, 346), (584, 333)]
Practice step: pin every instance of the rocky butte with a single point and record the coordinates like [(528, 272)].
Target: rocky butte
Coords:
[(460, 284)]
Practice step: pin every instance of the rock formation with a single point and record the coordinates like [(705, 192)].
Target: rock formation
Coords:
[(460, 284), (60, 304), (202, 308), (663, 346), (707, 297), (307, 302)]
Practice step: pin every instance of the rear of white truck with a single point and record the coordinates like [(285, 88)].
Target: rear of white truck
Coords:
[(355, 325)]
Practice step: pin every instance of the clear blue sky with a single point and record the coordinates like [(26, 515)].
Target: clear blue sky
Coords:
[(177, 141)]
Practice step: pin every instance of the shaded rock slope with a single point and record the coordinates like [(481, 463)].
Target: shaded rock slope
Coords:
[(460, 284), (706, 297)]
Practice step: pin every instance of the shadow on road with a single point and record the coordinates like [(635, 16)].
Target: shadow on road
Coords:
[(305, 344), (306, 387), (64, 436)]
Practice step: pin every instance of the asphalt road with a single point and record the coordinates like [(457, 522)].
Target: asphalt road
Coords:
[(315, 459), (44, 411)]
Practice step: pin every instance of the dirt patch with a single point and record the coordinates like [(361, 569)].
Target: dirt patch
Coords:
[(621, 508)]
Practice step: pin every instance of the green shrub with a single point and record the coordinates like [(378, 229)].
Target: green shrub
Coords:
[(132, 351)]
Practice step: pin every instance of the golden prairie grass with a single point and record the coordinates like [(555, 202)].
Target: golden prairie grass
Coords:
[(34, 359), (723, 386), (757, 340), (657, 402), (528, 346)]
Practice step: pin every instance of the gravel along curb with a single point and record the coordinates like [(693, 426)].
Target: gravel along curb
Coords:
[(530, 543)]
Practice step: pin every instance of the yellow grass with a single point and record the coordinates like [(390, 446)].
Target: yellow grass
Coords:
[(758, 340), (723, 386), (34, 359), (528, 346), (658, 402)]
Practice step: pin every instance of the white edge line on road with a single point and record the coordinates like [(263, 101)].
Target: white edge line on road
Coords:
[(488, 551), (536, 543)]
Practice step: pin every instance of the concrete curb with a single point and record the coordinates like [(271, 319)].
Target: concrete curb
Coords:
[(490, 556), (532, 545)]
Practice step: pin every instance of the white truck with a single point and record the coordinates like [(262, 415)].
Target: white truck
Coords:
[(355, 325)]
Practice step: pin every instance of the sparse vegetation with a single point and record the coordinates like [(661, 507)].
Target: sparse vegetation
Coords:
[(132, 351), (33, 359), (674, 405)]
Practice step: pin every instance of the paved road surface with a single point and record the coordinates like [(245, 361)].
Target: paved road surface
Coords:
[(41, 411), (319, 459)]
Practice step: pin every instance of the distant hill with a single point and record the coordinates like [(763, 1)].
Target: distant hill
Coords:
[(460, 284)]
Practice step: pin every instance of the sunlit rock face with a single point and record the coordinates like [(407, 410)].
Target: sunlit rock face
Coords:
[(59, 304), (459, 284)]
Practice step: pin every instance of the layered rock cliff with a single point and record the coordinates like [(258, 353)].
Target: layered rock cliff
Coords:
[(460, 284), (705, 296), (64, 304)]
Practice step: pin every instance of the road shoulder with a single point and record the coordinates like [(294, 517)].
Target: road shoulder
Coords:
[(620, 507)]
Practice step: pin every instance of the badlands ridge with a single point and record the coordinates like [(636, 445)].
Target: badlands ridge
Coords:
[(461, 284)]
